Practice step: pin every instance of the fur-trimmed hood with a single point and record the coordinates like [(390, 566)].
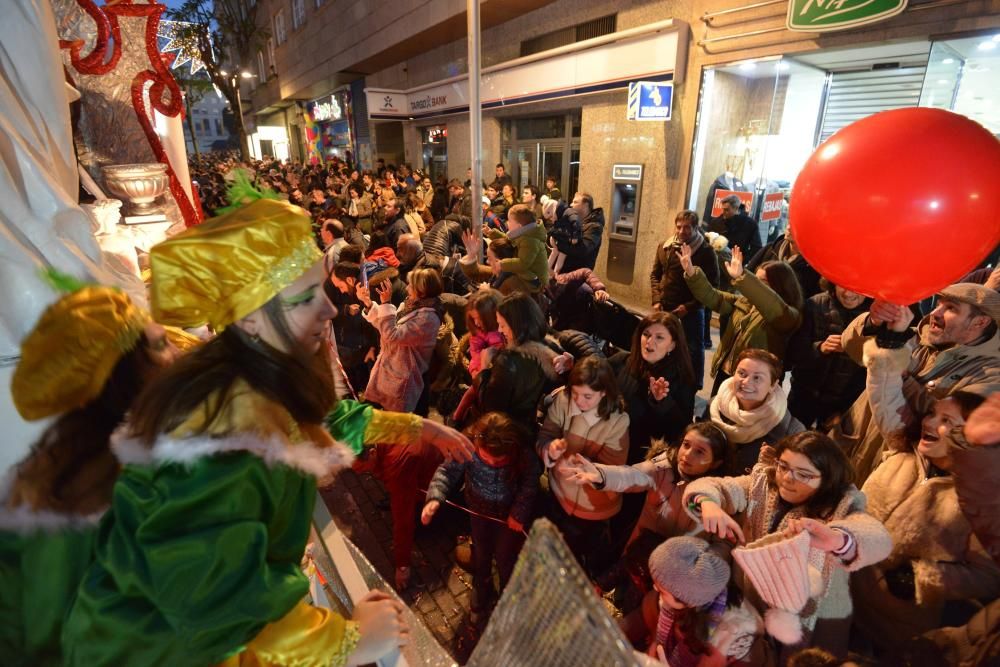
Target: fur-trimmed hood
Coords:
[(317, 460), (541, 354)]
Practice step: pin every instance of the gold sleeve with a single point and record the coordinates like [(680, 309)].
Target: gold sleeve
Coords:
[(307, 636), (398, 428)]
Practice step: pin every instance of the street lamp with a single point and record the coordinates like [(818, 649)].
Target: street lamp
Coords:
[(234, 81)]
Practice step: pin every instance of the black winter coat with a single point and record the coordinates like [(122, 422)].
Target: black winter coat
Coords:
[(444, 238), (741, 230), (807, 275), (832, 379), (583, 254), (650, 419), (667, 277)]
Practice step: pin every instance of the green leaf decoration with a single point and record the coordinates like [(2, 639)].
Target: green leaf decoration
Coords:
[(242, 192), (63, 282)]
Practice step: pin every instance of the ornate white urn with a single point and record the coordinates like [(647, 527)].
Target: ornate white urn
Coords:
[(139, 184)]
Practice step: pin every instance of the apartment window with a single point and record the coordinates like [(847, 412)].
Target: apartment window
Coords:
[(261, 70), (218, 126), (270, 52), (280, 33), (298, 14), (577, 33)]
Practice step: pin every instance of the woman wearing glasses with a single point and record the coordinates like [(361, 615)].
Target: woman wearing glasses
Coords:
[(804, 484), (751, 408)]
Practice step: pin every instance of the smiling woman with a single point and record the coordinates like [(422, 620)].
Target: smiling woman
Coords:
[(751, 408)]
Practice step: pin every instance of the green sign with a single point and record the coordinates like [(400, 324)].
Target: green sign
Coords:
[(828, 15)]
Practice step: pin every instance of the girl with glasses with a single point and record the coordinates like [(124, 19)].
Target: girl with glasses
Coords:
[(803, 484)]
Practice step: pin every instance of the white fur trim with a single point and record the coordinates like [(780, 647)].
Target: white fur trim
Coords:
[(735, 634), (25, 520), (274, 450), (784, 626)]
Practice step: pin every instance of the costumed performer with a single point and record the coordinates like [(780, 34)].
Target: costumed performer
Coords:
[(198, 559), (83, 363)]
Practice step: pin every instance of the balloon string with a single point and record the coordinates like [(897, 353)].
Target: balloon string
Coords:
[(477, 514)]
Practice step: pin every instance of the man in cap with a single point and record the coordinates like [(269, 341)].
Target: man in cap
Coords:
[(954, 348)]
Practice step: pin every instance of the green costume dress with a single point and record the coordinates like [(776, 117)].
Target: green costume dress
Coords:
[(197, 561), (43, 556)]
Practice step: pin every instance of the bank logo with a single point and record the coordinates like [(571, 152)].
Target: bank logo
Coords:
[(387, 102), (830, 15)]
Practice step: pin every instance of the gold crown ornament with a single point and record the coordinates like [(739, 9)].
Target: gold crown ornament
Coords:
[(69, 355), (225, 268)]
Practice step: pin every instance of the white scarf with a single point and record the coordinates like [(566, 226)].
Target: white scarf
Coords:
[(673, 244), (745, 426)]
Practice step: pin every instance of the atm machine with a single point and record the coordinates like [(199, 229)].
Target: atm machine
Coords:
[(626, 194)]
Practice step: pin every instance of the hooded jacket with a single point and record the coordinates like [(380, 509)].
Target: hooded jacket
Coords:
[(583, 255)]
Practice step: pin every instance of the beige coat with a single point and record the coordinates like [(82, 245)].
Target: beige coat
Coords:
[(933, 373), (756, 498), (600, 440), (921, 512)]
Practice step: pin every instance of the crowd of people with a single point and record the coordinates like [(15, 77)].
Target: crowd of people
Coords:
[(361, 306)]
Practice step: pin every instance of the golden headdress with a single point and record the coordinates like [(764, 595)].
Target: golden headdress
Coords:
[(225, 268), (69, 355)]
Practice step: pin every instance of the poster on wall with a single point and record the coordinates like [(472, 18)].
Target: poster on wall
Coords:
[(772, 206), (746, 198), (820, 16)]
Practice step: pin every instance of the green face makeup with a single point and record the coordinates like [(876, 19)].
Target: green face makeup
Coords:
[(299, 299)]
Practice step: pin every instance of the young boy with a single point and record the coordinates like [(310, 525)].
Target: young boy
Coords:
[(528, 236)]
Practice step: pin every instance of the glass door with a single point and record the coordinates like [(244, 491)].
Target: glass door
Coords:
[(525, 167), (551, 166)]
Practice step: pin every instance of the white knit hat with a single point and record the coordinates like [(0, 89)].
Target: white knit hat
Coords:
[(778, 568)]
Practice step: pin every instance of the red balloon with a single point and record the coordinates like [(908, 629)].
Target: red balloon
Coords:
[(899, 204)]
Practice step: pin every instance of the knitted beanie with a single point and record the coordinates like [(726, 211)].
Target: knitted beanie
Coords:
[(689, 569)]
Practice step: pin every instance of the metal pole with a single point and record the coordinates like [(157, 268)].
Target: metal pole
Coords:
[(475, 120)]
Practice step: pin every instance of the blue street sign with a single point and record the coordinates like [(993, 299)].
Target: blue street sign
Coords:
[(649, 100)]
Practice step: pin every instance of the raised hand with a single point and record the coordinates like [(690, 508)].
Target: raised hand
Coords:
[(556, 449), (831, 345), (658, 388), (384, 291), (471, 242), (735, 266), (896, 317), (685, 258), (361, 291), (381, 626)]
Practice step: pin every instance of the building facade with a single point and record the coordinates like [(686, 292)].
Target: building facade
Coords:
[(207, 117), (749, 99)]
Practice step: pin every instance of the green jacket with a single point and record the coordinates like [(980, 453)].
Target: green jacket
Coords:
[(758, 318), (532, 261)]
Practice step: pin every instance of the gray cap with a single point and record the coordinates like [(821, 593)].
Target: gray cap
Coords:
[(689, 568), (980, 296)]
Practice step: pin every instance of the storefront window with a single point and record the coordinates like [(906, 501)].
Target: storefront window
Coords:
[(435, 151), (962, 76), (328, 133), (757, 126), (544, 147)]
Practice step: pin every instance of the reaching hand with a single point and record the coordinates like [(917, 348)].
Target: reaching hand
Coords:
[(735, 266), (471, 242), (831, 345), (685, 257), (821, 536), (361, 291), (993, 282), (658, 388), (451, 443), (381, 626), (982, 428), (717, 522), (430, 509), (601, 296), (563, 363), (897, 318), (579, 470), (384, 291), (556, 449)]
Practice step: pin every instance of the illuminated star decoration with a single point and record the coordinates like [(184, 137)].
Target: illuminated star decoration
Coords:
[(177, 41)]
